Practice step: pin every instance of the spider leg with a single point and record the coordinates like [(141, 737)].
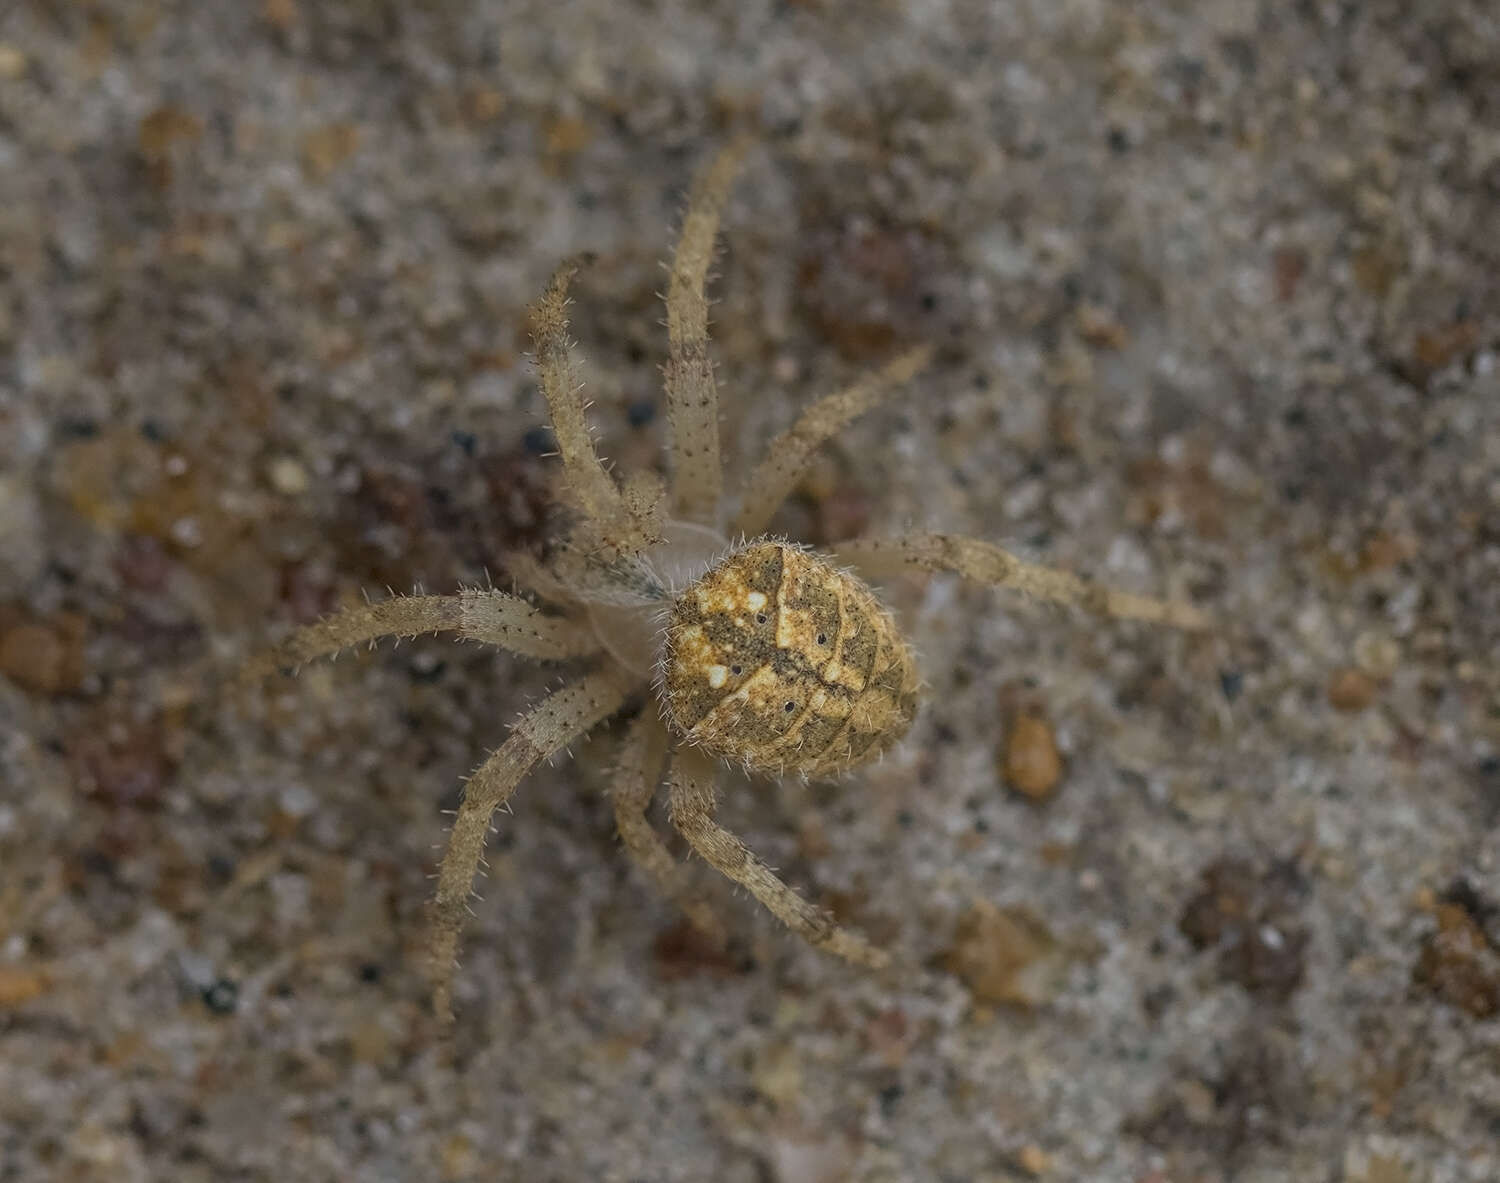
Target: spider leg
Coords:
[(693, 806), (529, 572), (480, 615), (984, 562), (692, 396), (645, 498), (549, 726), (584, 475), (787, 457), (636, 779)]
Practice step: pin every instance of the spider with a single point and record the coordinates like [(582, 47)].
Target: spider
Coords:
[(760, 652)]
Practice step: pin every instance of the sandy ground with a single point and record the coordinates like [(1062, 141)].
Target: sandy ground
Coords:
[(1215, 291)]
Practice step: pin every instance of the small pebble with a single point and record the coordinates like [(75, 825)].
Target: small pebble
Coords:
[(777, 1074), (19, 985), (281, 15), (1438, 347), (1005, 955), (1035, 1161), (484, 104), (1250, 915), (12, 61), (44, 658), (186, 532), (222, 996), (1351, 690), (1459, 965), (326, 148), (567, 136), (163, 127), (1377, 654), (458, 1158), (1032, 765), (682, 951), (287, 476), (1099, 327)]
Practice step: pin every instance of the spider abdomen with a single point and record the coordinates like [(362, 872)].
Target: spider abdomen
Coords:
[(781, 661)]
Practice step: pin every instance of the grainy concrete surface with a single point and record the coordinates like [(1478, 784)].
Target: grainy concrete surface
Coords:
[(1216, 290)]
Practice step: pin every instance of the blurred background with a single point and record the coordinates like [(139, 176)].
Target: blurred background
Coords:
[(1215, 290)]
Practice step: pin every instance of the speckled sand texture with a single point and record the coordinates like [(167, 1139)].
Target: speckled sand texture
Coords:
[(1216, 290)]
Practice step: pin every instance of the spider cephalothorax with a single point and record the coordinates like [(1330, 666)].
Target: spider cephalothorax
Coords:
[(766, 654)]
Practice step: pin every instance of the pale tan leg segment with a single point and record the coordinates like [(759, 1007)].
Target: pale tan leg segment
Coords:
[(786, 459), (692, 396), (586, 478), (645, 499), (693, 806), (986, 563), (636, 779), (520, 627), (529, 572), (548, 727), (489, 616)]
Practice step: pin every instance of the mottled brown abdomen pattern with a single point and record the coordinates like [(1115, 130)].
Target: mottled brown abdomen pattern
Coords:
[(779, 660)]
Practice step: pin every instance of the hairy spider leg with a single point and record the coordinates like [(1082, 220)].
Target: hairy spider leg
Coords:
[(549, 726), (627, 520), (985, 562), (692, 809), (476, 614), (692, 394), (787, 457), (637, 776)]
